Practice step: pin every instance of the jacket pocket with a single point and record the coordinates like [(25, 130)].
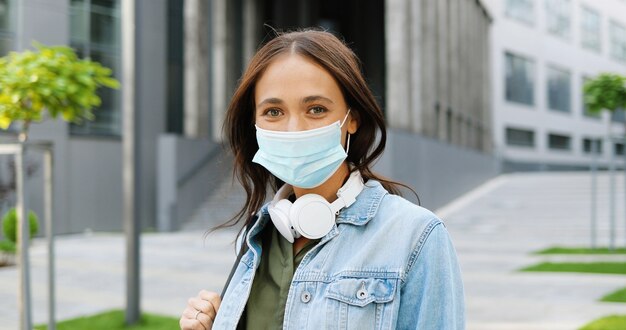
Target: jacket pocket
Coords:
[(361, 303)]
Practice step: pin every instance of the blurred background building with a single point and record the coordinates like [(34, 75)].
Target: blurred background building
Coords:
[(542, 52), (466, 87)]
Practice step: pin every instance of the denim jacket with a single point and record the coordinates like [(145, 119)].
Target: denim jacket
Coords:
[(386, 264)]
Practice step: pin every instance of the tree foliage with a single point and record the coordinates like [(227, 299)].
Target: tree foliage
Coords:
[(605, 92), (51, 78)]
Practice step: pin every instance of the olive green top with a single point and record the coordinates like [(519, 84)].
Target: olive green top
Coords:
[(265, 308)]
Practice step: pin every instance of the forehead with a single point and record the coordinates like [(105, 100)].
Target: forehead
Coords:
[(292, 76)]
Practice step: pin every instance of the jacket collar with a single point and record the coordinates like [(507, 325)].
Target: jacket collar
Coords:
[(358, 214), (365, 206)]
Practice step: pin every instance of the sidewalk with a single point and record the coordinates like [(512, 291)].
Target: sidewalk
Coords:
[(496, 227), (90, 274), (493, 228)]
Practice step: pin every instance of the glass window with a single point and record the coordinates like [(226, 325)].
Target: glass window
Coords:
[(559, 142), (521, 10), (6, 15), (175, 66), (558, 15), (520, 137), (104, 24), (6, 26), (618, 148), (586, 112), (519, 80), (95, 33), (618, 116), (588, 145), (591, 29), (558, 89), (79, 22), (618, 41)]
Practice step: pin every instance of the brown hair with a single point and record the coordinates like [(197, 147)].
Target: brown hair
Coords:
[(334, 56)]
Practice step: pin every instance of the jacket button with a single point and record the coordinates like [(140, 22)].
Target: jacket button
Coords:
[(305, 297), (362, 294)]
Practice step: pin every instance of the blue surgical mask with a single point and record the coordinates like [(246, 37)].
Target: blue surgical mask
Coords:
[(303, 159)]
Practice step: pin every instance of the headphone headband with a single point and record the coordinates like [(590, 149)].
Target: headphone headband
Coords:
[(346, 195), (311, 215)]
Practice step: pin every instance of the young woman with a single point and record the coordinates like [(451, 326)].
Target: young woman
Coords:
[(336, 248)]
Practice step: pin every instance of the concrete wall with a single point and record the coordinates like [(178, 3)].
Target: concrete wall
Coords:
[(152, 89), (437, 74), (94, 185), (437, 171), (189, 170)]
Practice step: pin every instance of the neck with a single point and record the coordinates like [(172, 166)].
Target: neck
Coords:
[(328, 189)]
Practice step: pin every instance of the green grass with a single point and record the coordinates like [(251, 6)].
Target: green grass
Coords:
[(613, 322), (617, 296), (114, 320), (580, 250), (579, 267)]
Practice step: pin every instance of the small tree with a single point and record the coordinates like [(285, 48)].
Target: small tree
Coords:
[(608, 92), (48, 82), (605, 92), (53, 79)]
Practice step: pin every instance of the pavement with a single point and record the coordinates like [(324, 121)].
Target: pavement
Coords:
[(494, 228)]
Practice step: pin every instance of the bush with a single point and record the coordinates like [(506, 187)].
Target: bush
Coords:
[(7, 246), (9, 224)]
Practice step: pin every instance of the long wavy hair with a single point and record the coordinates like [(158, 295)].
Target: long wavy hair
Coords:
[(335, 57)]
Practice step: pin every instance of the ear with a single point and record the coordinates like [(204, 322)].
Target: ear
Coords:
[(354, 121)]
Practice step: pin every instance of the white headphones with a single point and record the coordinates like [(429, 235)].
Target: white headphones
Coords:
[(311, 215)]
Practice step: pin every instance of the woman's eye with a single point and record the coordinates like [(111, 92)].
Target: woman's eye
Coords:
[(272, 113), (317, 110)]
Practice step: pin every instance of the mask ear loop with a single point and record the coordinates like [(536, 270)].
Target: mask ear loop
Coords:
[(343, 122), (344, 118)]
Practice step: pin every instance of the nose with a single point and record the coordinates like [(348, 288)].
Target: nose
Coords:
[(295, 124)]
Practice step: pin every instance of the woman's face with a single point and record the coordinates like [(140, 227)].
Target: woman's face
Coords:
[(296, 94)]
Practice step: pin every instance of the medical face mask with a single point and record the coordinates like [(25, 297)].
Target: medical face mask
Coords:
[(303, 159)]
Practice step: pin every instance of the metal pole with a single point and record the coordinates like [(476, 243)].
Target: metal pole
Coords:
[(19, 26), (49, 236), (594, 190), (612, 188), (23, 233), (130, 154)]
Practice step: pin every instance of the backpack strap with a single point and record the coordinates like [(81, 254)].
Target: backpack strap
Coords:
[(242, 250)]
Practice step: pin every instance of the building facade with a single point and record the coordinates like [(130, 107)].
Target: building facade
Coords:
[(542, 53), (427, 62)]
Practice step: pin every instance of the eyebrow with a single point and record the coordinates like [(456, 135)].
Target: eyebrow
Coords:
[(271, 100), (308, 99), (314, 98)]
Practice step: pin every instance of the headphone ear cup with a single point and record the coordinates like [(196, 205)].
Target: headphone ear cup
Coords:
[(279, 213), (312, 216)]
